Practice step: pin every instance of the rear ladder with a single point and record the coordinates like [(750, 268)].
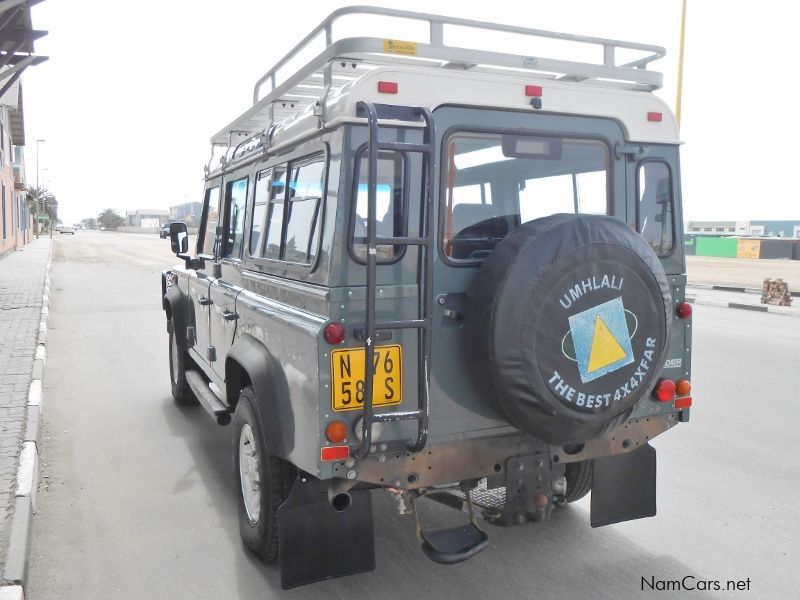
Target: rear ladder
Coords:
[(424, 279)]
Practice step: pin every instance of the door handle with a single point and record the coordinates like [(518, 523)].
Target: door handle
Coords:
[(229, 316), (204, 301)]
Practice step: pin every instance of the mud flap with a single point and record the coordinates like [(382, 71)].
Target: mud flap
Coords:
[(318, 542), (624, 487)]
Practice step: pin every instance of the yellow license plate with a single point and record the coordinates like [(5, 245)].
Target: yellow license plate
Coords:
[(347, 377)]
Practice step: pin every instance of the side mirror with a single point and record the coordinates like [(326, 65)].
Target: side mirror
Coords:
[(179, 238)]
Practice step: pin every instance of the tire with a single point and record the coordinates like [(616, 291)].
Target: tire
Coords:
[(258, 510), (178, 361), (579, 479), (570, 317)]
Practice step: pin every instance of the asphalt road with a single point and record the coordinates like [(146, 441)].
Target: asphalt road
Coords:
[(137, 497)]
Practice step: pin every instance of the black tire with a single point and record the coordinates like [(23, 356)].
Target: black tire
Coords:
[(534, 309), (579, 479), (275, 476), (178, 362)]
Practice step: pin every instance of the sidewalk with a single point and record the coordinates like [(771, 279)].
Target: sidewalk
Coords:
[(22, 309), (740, 298)]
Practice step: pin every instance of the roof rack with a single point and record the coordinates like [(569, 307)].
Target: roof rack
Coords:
[(340, 61)]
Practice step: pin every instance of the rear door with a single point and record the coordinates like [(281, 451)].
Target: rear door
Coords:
[(500, 169)]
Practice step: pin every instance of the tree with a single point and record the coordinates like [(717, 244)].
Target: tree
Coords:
[(110, 219), (41, 200)]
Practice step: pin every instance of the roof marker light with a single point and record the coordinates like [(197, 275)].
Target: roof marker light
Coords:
[(654, 117), (387, 87), (533, 90)]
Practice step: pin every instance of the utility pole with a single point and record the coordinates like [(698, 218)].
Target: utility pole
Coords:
[(38, 191), (680, 66)]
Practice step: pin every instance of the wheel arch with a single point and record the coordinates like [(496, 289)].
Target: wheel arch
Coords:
[(249, 362), (174, 306)]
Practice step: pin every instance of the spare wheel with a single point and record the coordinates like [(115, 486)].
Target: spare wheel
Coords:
[(572, 315)]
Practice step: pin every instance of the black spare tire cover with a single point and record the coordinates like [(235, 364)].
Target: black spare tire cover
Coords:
[(571, 314)]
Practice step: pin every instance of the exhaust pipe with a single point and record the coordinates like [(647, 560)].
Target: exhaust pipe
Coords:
[(339, 496)]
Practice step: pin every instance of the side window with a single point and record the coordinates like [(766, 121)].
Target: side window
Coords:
[(235, 201), (260, 200), (305, 196), (655, 215), (277, 194), (390, 214), (207, 241)]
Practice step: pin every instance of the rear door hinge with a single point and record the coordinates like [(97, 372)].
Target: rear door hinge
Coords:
[(211, 354), (633, 153)]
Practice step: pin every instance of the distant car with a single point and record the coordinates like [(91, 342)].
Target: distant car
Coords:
[(102, 229), (66, 229), (164, 233)]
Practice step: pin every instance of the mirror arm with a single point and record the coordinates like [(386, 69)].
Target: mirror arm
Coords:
[(193, 263)]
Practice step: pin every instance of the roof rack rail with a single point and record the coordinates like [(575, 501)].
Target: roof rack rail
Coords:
[(337, 65)]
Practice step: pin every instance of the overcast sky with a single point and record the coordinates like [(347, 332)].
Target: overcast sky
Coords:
[(134, 90)]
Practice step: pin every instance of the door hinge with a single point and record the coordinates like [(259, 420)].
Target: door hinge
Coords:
[(205, 301), (633, 153), (229, 316), (211, 354), (190, 336)]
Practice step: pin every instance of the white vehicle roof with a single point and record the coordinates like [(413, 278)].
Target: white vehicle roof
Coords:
[(324, 92)]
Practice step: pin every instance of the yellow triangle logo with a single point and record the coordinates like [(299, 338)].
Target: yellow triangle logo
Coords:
[(605, 347)]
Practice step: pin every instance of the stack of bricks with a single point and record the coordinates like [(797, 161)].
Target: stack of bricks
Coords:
[(776, 291)]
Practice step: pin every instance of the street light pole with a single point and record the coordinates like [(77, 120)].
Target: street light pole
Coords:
[(38, 191)]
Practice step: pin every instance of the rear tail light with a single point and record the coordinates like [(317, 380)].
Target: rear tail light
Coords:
[(654, 117), (336, 432), (334, 333), (665, 390), (683, 387), (387, 87), (683, 310), (328, 453)]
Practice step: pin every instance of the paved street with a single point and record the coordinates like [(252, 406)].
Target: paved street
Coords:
[(137, 497), (21, 287)]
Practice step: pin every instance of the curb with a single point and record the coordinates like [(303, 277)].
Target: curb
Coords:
[(16, 567), (730, 288), (776, 310)]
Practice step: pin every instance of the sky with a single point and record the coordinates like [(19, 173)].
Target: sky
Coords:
[(133, 91)]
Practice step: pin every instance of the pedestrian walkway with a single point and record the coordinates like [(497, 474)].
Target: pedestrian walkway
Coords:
[(746, 299), (22, 282)]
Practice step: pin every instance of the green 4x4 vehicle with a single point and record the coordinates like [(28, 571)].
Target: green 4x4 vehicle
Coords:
[(441, 272)]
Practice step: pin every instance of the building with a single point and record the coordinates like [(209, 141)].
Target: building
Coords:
[(188, 212), (16, 54), (790, 228), (147, 218)]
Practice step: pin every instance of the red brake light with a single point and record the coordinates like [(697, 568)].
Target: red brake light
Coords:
[(683, 402), (683, 310), (533, 90), (334, 452), (334, 333), (387, 87), (654, 117), (665, 390)]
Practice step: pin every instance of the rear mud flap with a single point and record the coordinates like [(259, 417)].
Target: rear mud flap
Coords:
[(624, 487), (318, 542)]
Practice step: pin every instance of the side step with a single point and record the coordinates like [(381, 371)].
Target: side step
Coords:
[(208, 399)]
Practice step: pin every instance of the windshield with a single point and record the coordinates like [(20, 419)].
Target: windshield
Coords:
[(495, 182)]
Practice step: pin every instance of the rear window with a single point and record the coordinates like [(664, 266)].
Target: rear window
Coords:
[(496, 181)]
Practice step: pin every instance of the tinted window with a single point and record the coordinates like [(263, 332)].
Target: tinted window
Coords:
[(236, 200), (655, 214), (207, 243), (259, 211), (390, 220), (495, 182)]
